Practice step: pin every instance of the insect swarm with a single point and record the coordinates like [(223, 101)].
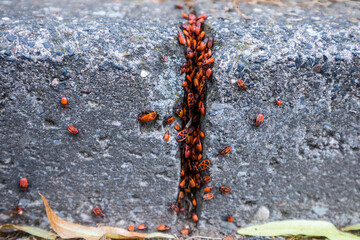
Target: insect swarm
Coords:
[(197, 70)]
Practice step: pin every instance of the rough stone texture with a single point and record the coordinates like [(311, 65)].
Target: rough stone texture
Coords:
[(93, 55), (106, 58), (303, 161)]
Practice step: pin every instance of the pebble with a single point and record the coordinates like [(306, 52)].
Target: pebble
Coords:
[(46, 44), (320, 211), (317, 68), (221, 106), (227, 225), (262, 214), (23, 202), (11, 38), (240, 67), (144, 73), (55, 82)]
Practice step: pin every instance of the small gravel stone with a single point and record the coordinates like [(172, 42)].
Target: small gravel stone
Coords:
[(262, 214), (144, 73), (55, 82), (320, 211), (11, 38), (46, 44)]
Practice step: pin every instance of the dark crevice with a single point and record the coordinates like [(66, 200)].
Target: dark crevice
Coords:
[(197, 70)]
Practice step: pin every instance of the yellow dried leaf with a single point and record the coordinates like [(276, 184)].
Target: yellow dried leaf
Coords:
[(38, 232), (298, 227), (67, 229), (355, 227)]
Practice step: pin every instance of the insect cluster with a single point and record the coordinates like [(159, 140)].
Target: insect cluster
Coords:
[(197, 70)]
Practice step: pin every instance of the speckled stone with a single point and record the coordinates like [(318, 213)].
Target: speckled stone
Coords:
[(305, 156)]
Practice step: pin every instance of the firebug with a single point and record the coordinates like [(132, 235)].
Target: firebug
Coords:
[(23, 184), (98, 212), (73, 130), (259, 120)]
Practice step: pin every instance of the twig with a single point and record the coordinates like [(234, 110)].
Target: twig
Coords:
[(238, 11)]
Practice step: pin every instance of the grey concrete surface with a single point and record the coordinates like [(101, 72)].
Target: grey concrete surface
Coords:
[(105, 57)]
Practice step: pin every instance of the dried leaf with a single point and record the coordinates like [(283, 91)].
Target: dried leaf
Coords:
[(355, 227), (31, 230), (298, 227), (67, 229)]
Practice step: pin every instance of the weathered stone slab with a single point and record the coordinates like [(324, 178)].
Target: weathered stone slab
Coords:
[(106, 59), (303, 162)]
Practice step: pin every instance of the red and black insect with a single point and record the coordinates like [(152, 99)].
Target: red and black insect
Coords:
[(225, 151), (23, 184), (241, 84), (169, 120), (182, 135), (142, 227), (191, 100), (166, 136), (204, 164), (64, 101), (189, 53), (98, 212), (193, 201), (208, 61), (179, 112), (198, 145), (208, 72), (19, 211), (224, 189), (191, 182), (202, 16), (208, 196), (163, 228), (208, 189), (202, 108), (278, 102), (131, 228), (205, 179), (175, 208), (73, 130), (187, 151), (182, 40), (182, 183), (195, 217), (185, 231), (148, 117), (210, 42), (259, 120), (230, 218), (181, 196)]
